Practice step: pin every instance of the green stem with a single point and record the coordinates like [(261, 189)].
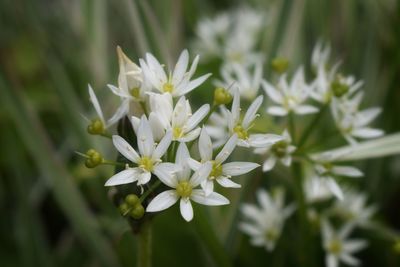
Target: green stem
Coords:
[(107, 135), (311, 126), (113, 163), (151, 189), (144, 246), (292, 126), (208, 236)]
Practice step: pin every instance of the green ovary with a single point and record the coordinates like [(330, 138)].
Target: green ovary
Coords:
[(168, 87), (184, 189), (216, 171), (241, 132), (146, 163)]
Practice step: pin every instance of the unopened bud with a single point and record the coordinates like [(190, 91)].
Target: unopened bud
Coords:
[(132, 200), (137, 212), (96, 127), (222, 96), (123, 209), (94, 158), (280, 64), (339, 87)]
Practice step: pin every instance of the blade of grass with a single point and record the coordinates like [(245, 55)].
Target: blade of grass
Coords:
[(64, 190)]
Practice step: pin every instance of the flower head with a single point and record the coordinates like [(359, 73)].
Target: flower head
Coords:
[(184, 188)]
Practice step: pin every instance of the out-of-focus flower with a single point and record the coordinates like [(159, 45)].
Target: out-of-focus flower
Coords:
[(184, 185), (353, 208), (338, 247), (148, 160), (178, 82), (316, 189), (264, 223), (290, 98), (221, 172), (279, 151), (218, 127), (239, 75), (353, 123)]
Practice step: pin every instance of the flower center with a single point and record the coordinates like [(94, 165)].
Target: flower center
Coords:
[(135, 92), (184, 189), (241, 132), (168, 87), (216, 171), (279, 148), (177, 132), (146, 163), (339, 88), (271, 234), (335, 246)]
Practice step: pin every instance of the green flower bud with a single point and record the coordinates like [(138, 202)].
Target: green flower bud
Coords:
[(123, 209), (222, 96), (338, 87), (94, 158), (396, 247), (132, 200), (137, 212), (280, 64), (96, 127)]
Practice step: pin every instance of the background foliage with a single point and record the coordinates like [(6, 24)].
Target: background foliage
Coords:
[(56, 212)]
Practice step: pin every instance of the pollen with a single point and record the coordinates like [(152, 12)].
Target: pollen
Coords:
[(241, 132), (177, 132), (146, 163), (168, 87), (184, 189)]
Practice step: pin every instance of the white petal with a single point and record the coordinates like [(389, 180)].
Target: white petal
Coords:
[(264, 140), (156, 67), (123, 177), (125, 148), (208, 186), (235, 109), (331, 261), (193, 164), (121, 112), (135, 121), (180, 113), (238, 168), (162, 146), (156, 126), (269, 163), (334, 188), (214, 199), (227, 149), (143, 177), (274, 94), (165, 175), (347, 171), (197, 117), (118, 91), (349, 260), (367, 133), (95, 102), (195, 83), (226, 182), (180, 67), (201, 174), (354, 245), (250, 229), (182, 156), (186, 209), (252, 111), (286, 160), (162, 201), (145, 138), (305, 109), (205, 146), (277, 111), (190, 136)]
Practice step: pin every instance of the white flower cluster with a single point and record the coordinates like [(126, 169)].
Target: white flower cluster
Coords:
[(165, 129)]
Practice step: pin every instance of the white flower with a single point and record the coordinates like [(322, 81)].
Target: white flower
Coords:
[(321, 87), (353, 123), (281, 150), (353, 208), (178, 82), (316, 189), (241, 127), (248, 83), (320, 55), (148, 159), (338, 248), (290, 98), (97, 107), (184, 188), (220, 172), (264, 223), (131, 87), (327, 171)]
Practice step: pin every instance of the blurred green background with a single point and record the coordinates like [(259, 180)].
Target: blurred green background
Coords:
[(54, 211)]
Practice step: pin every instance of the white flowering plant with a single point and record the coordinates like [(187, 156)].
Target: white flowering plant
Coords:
[(301, 127)]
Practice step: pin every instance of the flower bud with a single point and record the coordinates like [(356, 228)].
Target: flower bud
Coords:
[(96, 127), (94, 158), (222, 96), (123, 209), (137, 212), (280, 64), (132, 200)]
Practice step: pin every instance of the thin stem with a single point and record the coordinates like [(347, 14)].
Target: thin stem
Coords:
[(292, 126), (311, 126), (144, 246), (113, 163), (151, 189), (107, 135)]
